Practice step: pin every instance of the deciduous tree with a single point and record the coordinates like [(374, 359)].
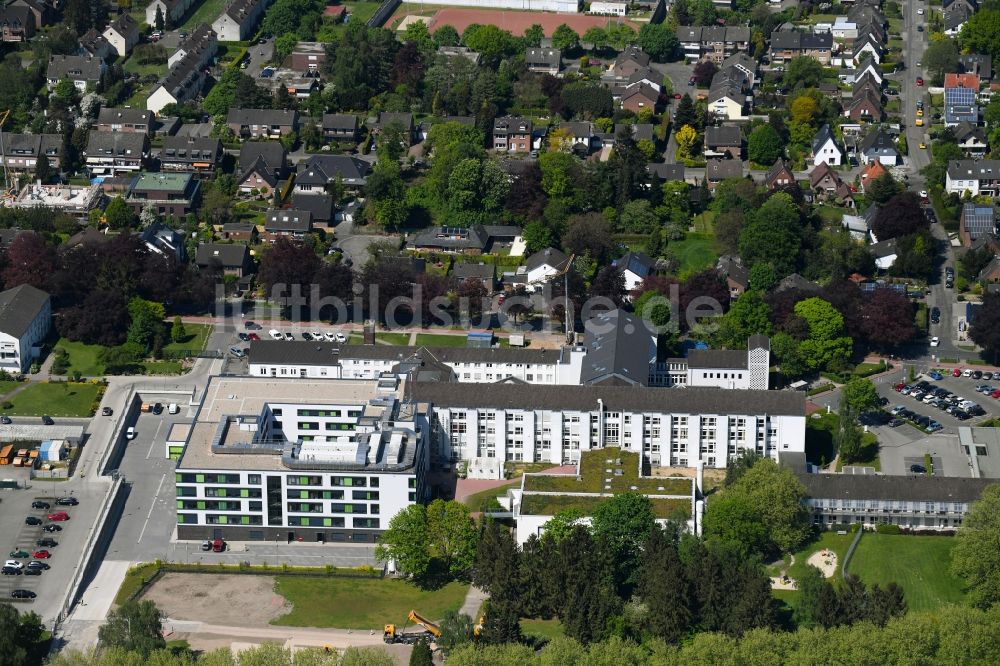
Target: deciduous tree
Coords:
[(134, 626), (976, 558), (765, 145)]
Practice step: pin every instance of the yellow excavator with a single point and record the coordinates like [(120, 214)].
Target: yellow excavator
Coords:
[(390, 634)]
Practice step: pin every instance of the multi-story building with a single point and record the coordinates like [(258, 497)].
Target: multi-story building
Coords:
[(286, 223), (200, 155), (16, 24), (543, 60), (25, 319), (21, 152), (186, 77), (973, 176), (74, 200), (262, 123), (116, 153), (533, 423), (122, 34), (788, 43), (124, 120), (238, 20), (297, 460), (168, 193), (715, 43), (80, 70), (512, 134)]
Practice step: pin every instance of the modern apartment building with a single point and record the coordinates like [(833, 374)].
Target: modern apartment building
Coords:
[(290, 460)]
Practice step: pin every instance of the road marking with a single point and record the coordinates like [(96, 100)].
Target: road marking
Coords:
[(152, 505), (155, 436)]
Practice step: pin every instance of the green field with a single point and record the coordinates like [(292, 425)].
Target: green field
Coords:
[(393, 338), (694, 253), (83, 358), (476, 500), (433, 340), (920, 564), (56, 399), (206, 13), (8, 386), (197, 336), (356, 11), (547, 629), (361, 603)]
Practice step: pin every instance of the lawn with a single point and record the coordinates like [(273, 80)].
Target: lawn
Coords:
[(920, 564), (433, 340), (206, 13), (476, 501), (83, 357), (163, 367), (356, 11), (362, 603), (56, 399), (197, 336), (830, 214), (8, 386), (827, 539), (694, 253), (393, 338), (547, 629)]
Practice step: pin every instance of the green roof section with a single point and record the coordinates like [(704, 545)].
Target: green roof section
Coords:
[(162, 182), (608, 467), (549, 505)]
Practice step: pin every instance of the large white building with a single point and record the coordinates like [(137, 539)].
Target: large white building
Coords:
[(25, 319), (531, 423), (564, 6), (290, 460)]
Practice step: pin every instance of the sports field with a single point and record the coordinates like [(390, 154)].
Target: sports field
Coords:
[(514, 21)]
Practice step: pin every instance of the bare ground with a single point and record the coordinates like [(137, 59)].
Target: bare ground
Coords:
[(235, 600)]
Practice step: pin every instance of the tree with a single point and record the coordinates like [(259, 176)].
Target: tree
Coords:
[(456, 629), (860, 394), (817, 600), (534, 35), (981, 33), (638, 217), (43, 169), (30, 260), (537, 236), (452, 535), (421, 654), (685, 112), (883, 188), (587, 101), (134, 626), (158, 20), (146, 322), (561, 525), (985, 328), (773, 235), (405, 541), (939, 58), (287, 269), (658, 40), (899, 216), (446, 35), (178, 333), (687, 141), (887, 318), (565, 38), (804, 110), (803, 70), (496, 557), (624, 521), (827, 343), (597, 37), (20, 635), (588, 234), (765, 145), (118, 215), (665, 589), (738, 465)]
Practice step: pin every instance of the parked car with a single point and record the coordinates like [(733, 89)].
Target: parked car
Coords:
[(32, 572), (23, 594), (243, 336), (35, 564), (19, 554), (237, 352), (6, 420), (47, 420), (276, 334), (341, 338), (957, 372), (39, 504), (52, 528), (172, 408), (935, 341), (58, 517), (10, 571), (254, 336), (895, 423), (46, 542), (289, 336), (934, 374), (107, 411), (157, 409), (32, 520), (14, 563), (41, 554), (918, 469), (67, 501)]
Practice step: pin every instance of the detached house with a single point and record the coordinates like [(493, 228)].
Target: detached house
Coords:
[(826, 182), (724, 141), (262, 123), (737, 275), (956, 14), (871, 173), (960, 91), (340, 127), (971, 139), (319, 171), (879, 145), (973, 176), (543, 60), (42, 12), (825, 148), (404, 121), (640, 96), (512, 134), (977, 221), (239, 19), (224, 258), (545, 264), (287, 223), (93, 44), (634, 267), (717, 171), (81, 70), (262, 165), (308, 57), (122, 34), (779, 175), (116, 153)]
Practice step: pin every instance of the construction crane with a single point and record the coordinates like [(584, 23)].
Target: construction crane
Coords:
[(392, 635), (3, 156)]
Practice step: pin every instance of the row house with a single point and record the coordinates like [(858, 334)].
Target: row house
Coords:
[(110, 119), (239, 19), (262, 123), (973, 176), (788, 43), (186, 77), (21, 152), (715, 43), (115, 153), (170, 11), (198, 155)]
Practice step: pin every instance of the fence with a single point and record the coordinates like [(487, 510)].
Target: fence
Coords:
[(383, 13)]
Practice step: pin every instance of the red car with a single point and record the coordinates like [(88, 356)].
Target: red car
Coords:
[(253, 336), (957, 372), (41, 555), (898, 387), (58, 516), (920, 81), (995, 394)]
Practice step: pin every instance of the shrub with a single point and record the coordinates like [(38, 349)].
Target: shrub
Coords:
[(885, 528)]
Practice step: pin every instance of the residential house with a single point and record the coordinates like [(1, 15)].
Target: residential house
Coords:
[(977, 63), (634, 267), (25, 320), (715, 43), (94, 45), (960, 104), (736, 274), (867, 45), (868, 67), (973, 176), (170, 11), (17, 24), (717, 170), (239, 232), (467, 272), (81, 70), (512, 134), (844, 28), (174, 194), (856, 226), (124, 120), (262, 123), (666, 172), (865, 106), (467, 240), (825, 148), (307, 57), (404, 120), (262, 165), (238, 20), (122, 34), (287, 223), (779, 175), (43, 12), (164, 241), (956, 14), (724, 141), (543, 60), (990, 273), (21, 152), (633, 59), (826, 182), (115, 153), (743, 63), (225, 258), (573, 136), (191, 154), (340, 127), (879, 145), (544, 265), (788, 43), (319, 171), (885, 253), (727, 98), (871, 173), (186, 76), (319, 206), (640, 96), (971, 139), (976, 221)]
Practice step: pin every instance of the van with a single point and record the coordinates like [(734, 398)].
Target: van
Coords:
[(146, 408), (172, 408)]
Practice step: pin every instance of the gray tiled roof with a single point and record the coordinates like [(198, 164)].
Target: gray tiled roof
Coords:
[(287, 219), (229, 255), (279, 352), (550, 256), (619, 349), (884, 487), (19, 307), (125, 116), (262, 117), (86, 68), (717, 359), (726, 135)]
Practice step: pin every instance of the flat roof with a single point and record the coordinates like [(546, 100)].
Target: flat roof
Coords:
[(162, 181), (179, 432), (226, 397), (983, 445), (59, 196)]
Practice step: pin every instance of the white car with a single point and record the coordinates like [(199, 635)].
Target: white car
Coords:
[(172, 408), (275, 334), (130, 433), (316, 335), (920, 11), (289, 336), (935, 341), (329, 336), (17, 564), (923, 194), (341, 338)]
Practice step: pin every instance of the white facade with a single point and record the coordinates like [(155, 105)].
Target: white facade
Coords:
[(25, 319), (830, 153), (727, 107), (564, 6), (160, 98), (608, 8)]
